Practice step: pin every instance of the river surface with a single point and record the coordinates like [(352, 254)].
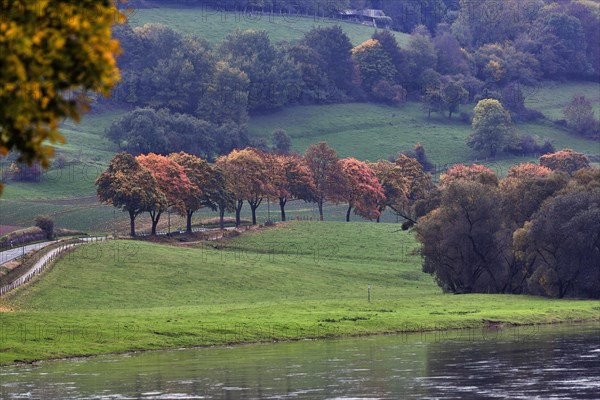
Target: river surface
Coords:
[(550, 362)]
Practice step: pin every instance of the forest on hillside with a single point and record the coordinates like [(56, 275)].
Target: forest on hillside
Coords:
[(458, 53)]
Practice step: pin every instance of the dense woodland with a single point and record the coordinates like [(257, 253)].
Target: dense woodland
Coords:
[(457, 54)]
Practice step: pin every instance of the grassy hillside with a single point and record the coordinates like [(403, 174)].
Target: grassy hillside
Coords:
[(365, 131), (214, 25), (552, 97), (295, 280), (371, 131)]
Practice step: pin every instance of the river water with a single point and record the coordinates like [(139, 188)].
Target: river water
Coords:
[(550, 362)]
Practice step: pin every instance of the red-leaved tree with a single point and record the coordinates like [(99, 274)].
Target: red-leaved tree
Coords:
[(567, 161), (171, 180), (475, 173), (326, 174), (362, 191)]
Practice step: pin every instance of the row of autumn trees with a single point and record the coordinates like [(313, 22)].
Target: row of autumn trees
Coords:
[(185, 183), (536, 231)]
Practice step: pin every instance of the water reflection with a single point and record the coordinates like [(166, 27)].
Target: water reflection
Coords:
[(550, 362)]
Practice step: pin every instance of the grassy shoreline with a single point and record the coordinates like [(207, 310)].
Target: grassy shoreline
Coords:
[(265, 336), (296, 281), (468, 331)]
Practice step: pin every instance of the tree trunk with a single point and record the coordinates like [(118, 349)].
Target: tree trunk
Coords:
[(238, 210), (222, 217), (253, 208), (379, 219), (282, 203), (254, 204), (348, 213), (132, 223), (155, 216), (320, 204), (188, 227)]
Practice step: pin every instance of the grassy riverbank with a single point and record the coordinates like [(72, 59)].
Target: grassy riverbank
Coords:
[(299, 280)]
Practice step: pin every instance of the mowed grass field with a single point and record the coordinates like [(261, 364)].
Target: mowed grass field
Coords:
[(214, 25), (296, 280)]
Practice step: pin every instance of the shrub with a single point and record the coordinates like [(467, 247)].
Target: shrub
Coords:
[(388, 92), (25, 173), (529, 115), (466, 117), (282, 142), (528, 145), (46, 224)]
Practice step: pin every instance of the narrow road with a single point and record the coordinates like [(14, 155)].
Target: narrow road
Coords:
[(11, 254)]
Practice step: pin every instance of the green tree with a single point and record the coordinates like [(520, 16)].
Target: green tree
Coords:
[(580, 116), (51, 53), (560, 44), (491, 126), (390, 45), (334, 49), (146, 130), (453, 94), (225, 96), (432, 100), (462, 247), (421, 55), (252, 52), (561, 246), (373, 64), (281, 141)]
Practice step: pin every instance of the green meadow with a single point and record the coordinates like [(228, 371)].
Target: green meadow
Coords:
[(296, 280), (214, 25)]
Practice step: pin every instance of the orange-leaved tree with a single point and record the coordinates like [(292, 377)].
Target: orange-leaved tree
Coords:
[(128, 185), (567, 161), (246, 177), (326, 174), (362, 190), (171, 181), (528, 170), (290, 178), (475, 173), (404, 182), (51, 53)]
